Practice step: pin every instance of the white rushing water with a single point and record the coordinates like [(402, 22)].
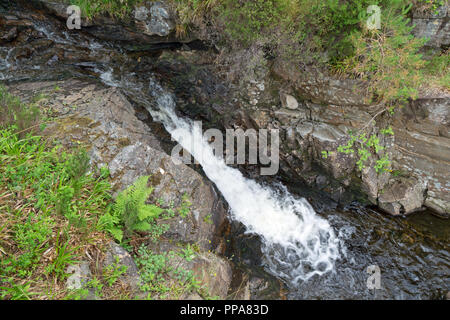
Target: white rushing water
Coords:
[(297, 243)]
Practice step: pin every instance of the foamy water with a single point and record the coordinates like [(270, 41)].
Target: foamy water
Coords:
[(297, 243)]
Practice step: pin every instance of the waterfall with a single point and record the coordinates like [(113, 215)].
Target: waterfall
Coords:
[(297, 243)]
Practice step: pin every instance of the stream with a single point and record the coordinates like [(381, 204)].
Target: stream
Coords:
[(317, 250)]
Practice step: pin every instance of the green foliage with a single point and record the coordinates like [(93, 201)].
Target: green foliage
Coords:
[(188, 253), (51, 211), (382, 164), (389, 58), (65, 256), (44, 218), (115, 8), (387, 131), (161, 276), (49, 207), (20, 117), (192, 12), (430, 5), (97, 285), (208, 219), (438, 69), (244, 20), (16, 291), (185, 206), (113, 272), (153, 269), (325, 154), (131, 213), (365, 147)]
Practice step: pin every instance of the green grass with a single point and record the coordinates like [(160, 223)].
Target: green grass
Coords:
[(115, 8), (22, 118), (49, 211), (54, 210)]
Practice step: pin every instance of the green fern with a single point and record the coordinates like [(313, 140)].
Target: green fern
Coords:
[(130, 212)]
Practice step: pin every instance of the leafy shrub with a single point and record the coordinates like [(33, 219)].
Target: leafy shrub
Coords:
[(161, 275), (389, 58)]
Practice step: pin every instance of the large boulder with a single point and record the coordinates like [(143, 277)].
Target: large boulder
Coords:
[(402, 196)]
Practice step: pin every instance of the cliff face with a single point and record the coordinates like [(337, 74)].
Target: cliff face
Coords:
[(329, 108), (419, 148), (314, 111)]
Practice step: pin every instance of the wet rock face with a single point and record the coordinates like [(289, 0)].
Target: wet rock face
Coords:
[(315, 112)]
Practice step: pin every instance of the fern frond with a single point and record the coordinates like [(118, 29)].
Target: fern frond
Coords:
[(142, 226), (131, 208), (149, 212)]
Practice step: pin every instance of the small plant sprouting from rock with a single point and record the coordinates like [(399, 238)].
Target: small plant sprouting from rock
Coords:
[(185, 206), (114, 271), (325, 154), (188, 253), (18, 116), (162, 275), (365, 146), (208, 219)]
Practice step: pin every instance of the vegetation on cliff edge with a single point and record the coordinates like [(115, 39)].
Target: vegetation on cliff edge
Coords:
[(56, 212)]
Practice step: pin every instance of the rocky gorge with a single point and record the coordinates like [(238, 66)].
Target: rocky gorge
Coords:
[(102, 102)]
